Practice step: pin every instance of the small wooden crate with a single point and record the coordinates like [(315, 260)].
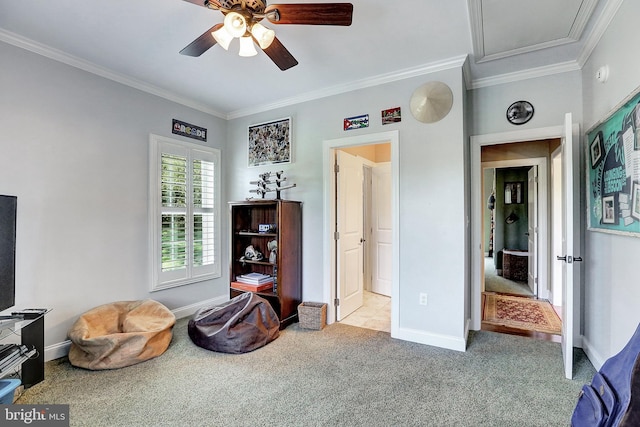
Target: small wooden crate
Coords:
[(312, 315)]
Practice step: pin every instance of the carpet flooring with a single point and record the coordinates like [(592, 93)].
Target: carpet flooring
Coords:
[(495, 283), (339, 376), (521, 313)]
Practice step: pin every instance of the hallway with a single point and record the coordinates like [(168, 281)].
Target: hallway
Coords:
[(375, 313)]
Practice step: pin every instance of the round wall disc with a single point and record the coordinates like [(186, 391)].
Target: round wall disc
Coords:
[(431, 102)]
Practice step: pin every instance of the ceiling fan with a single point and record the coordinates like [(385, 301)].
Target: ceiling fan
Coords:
[(242, 20)]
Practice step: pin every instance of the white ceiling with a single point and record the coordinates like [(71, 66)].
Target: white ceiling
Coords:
[(137, 43)]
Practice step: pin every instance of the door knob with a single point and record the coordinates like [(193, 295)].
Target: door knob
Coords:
[(561, 258)]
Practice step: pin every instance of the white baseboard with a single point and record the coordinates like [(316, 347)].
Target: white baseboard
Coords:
[(189, 310), (61, 349), (56, 351), (437, 340), (596, 359)]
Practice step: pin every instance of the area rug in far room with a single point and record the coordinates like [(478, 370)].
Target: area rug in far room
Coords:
[(521, 313)]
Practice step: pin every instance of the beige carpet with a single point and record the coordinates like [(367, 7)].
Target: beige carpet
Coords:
[(521, 313)]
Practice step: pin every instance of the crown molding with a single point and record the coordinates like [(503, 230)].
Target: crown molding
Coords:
[(585, 12), (447, 64), (90, 67), (477, 29), (525, 49), (477, 32), (530, 73), (466, 73), (608, 13)]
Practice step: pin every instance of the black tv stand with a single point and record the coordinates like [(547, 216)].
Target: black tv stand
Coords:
[(30, 324)]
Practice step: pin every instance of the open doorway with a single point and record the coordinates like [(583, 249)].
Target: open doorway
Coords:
[(365, 300), (366, 228), (567, 132), (517, 222)]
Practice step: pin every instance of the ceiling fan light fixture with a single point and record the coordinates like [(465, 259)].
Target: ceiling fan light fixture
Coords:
[(247, 47), (236, 24), (264, 36), (222, 37)]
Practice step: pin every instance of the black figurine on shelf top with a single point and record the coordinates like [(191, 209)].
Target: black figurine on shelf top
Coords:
[(265, 180)]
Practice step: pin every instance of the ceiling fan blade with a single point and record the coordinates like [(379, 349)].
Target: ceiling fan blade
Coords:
[(280, 55), (310, 13), (202, 43)]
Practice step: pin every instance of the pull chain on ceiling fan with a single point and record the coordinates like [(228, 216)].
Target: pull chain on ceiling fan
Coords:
[(242, 20)]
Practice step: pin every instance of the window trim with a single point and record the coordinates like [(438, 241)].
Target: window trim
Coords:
[(158, 145)]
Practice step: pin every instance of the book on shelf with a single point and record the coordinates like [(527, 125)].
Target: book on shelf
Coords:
[(254, 278), (252, 288)]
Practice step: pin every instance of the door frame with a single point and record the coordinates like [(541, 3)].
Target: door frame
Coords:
[(477, 142), (329, 201), (543, 215)]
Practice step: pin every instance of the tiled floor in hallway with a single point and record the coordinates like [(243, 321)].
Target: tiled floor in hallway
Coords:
[(375, 313)]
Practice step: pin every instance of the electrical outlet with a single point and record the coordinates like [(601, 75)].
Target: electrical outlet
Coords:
[(423, 298)]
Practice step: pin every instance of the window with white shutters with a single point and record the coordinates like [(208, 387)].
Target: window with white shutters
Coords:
[(184, 210)]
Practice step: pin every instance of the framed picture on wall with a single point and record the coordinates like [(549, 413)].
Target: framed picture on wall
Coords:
[(513, 193), (635, 201), (608, 210), (270, 143), (596, 150)]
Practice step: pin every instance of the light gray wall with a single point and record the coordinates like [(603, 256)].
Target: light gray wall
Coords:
[(612, 284), (74, 149), (432, 193), (551, 97)]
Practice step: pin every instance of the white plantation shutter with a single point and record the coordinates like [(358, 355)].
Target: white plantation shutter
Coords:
[(184, 208), (203, 215), (173, 182)]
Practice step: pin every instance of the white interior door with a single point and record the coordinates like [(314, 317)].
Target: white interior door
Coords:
[(570, 243), (349, 224), (532, 229), (381, 233)]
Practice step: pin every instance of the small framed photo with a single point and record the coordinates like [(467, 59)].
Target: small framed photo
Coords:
[(635, 201), (356, 122), (513, 193), (596, 148), (270, 143), (392, 115), (608, 210)]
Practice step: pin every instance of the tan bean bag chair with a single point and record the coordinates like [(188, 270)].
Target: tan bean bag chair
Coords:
[(120, 334)]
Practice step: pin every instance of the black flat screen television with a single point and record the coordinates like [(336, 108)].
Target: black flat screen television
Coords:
[(8, 205)]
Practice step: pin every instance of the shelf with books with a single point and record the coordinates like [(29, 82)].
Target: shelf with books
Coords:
[(284, 264)]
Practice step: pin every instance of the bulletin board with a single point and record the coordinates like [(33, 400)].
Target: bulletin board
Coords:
[(613, 170)]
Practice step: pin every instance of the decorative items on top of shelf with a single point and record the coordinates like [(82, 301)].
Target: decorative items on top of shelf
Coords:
[(265, 181)]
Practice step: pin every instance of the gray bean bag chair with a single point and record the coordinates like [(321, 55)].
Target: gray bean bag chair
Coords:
[(243, 324)]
